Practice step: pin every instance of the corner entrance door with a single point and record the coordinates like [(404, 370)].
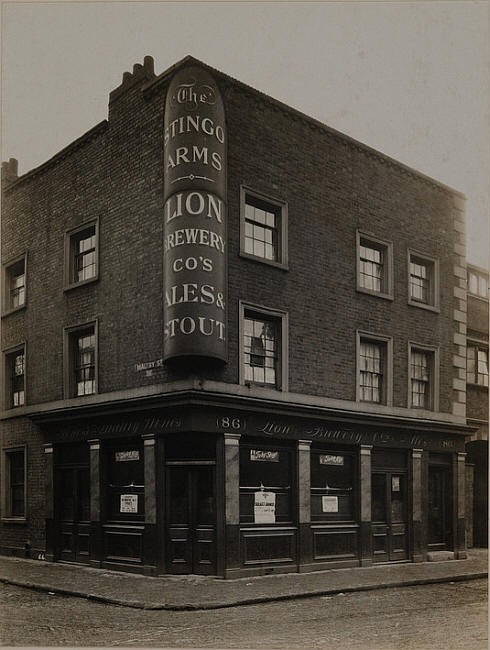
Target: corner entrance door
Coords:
[(73, 492), (191, 519), (439, 508), (389, 516)]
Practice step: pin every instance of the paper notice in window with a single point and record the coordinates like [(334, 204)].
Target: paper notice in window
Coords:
[(330, 504), (265, 508), (128, 503)]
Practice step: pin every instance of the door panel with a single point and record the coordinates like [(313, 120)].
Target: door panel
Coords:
[(389, 516), (191, 527)]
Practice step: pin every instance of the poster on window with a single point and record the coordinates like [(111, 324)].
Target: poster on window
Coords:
[(262, 455), (123, 456), (329, 459), (265, 507), (330, 504), (395, 483), (128, 503)]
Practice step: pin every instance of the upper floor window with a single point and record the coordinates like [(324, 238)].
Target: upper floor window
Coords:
[(81, 360), (477, 364), (423, 281), (82, 254), (424, 378), (478, 283), (374, 369), (14, 285), (15, 376), (264, 228), (263, 347), (14, 489), (374, 266)]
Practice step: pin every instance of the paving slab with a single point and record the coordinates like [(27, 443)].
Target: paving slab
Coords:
[(199, 592)]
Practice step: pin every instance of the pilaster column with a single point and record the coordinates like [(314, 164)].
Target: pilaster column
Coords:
[(96, 541), (459, 477), (150, 479), (232, 503), (150, 545), (94, 480), (417, 532), (304, 503), (49, 501), (365, 494)]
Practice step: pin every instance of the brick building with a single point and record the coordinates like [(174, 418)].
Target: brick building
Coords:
[(477, 401), (234, 342)]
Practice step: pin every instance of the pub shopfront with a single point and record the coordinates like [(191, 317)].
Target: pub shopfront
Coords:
[(213, 492)]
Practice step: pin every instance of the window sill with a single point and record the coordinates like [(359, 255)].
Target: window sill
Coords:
[(423, 305), (262, 260), (14, 310), (14, 520), (474, 385), (73, 285), (385, 403), (251, 384), (375, 294)]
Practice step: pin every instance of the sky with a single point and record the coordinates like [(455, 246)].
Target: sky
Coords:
[(409, 79)]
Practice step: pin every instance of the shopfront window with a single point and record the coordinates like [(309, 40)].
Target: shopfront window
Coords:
[(265, 485), (332, 486), (126, 498)]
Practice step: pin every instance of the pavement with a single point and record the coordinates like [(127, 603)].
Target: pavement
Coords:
[(181, 593)]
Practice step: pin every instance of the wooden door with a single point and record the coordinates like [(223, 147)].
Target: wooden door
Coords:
[(439, 508), (389, 516), (73, 496), (191, 520)]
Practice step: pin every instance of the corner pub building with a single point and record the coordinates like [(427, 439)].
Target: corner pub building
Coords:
[(233, 342)]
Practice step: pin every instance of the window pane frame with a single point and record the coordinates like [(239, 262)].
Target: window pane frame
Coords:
[(374, 265), (14, 465), (80, 360), (263, 227), (374, 368), (423, 281), (423, 377), (82, 254)]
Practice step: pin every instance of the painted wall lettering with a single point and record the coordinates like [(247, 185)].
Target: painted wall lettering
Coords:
[(194, 246)]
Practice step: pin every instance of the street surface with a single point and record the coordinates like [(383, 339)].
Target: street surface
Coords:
[(451, 616)]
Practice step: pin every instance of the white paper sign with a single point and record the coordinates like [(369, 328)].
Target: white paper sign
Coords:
[(329, 459), (128, 503), (261, 455), (265, 508), (395, 483), (122, 456), (330, 504)]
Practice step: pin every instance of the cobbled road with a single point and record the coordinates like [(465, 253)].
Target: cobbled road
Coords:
[(450, 616)]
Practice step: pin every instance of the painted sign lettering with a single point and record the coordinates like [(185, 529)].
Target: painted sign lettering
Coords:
[(328, 459), (267, 456), (194, 215), (122, 456)]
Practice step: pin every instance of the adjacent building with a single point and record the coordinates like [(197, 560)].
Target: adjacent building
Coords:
[(233, 342), (477, 401)]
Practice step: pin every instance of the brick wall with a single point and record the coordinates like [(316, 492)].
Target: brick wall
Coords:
[(332, 185), (29, 536)]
